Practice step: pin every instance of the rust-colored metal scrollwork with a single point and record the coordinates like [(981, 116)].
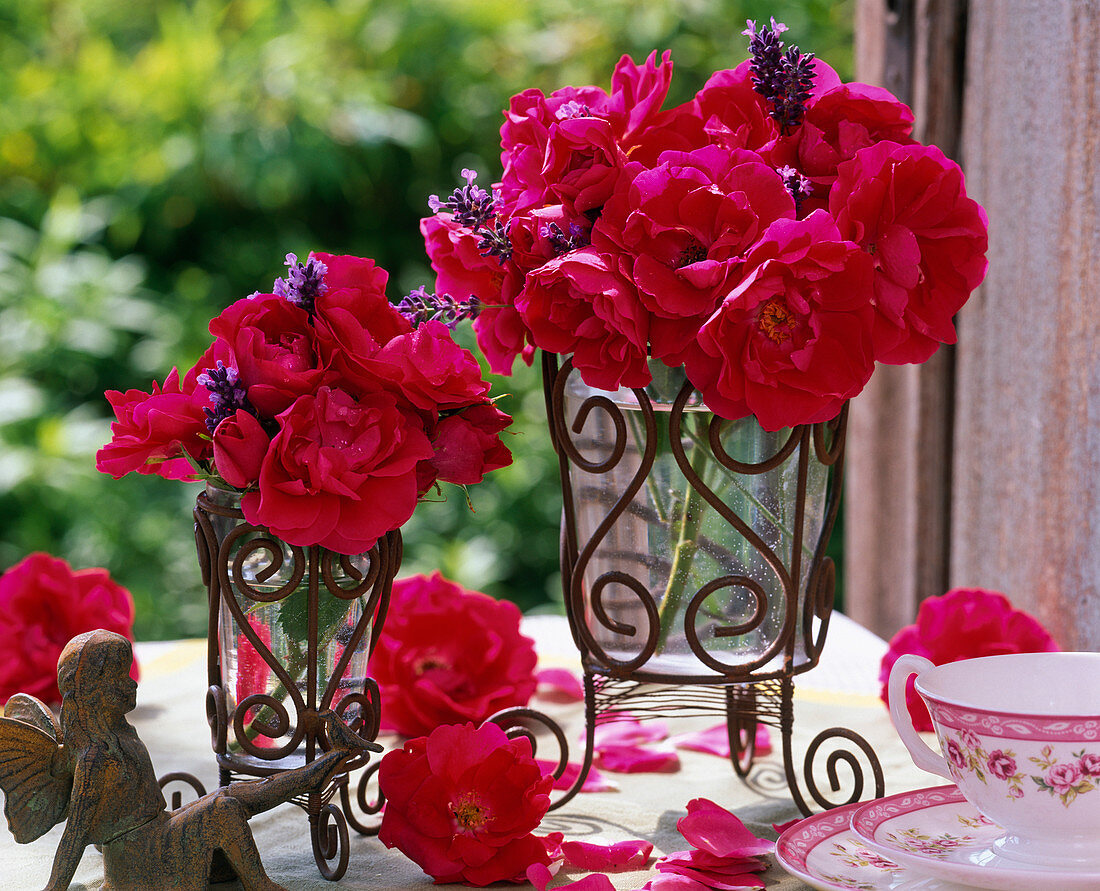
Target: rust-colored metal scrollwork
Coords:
[(273, 729), (522, 722), (857, 775), (329, 835), (363, 802), (187, 779)]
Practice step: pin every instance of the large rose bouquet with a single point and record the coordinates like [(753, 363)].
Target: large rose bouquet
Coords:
[(775, 236), (322, 404)]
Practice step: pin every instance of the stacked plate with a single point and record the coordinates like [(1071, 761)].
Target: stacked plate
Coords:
[(932, 840)]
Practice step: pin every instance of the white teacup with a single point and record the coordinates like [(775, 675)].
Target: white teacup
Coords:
[(1020, 736)]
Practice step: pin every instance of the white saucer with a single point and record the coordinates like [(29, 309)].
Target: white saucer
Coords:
[(823, 851), (939, 833)]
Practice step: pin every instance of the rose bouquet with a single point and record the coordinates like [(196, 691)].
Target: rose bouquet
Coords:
[(767, 241), (323, 414), (775, 236)]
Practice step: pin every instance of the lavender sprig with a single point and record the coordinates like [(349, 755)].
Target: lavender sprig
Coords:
[(470, 204), (799, 185), (420, 306), (495, 242), (561, 243), (784, 79), (304, 282), (227, 394)]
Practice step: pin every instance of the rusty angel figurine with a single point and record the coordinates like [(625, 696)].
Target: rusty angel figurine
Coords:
[(93, 772)]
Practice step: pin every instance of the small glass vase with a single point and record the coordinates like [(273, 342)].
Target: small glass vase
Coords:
[(690, 542), (291, 630)]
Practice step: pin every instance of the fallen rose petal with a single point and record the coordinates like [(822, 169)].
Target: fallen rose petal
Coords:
[(632, 854), (594, 782), (714, 829), (715, 740), (628, 733), (539, 876), (552, 842), (635, 759), (559, 685), (671, 881), (594, 882), (783, 827), (717, 882), (701, 861)]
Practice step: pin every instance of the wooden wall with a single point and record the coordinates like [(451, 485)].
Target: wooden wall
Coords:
[(982, 468)]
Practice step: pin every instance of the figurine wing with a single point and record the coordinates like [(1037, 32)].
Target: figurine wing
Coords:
[(36, 797), (24, 707)]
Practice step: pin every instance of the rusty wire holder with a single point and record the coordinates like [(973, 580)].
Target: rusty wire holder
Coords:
[(759, 691), (225, 541)]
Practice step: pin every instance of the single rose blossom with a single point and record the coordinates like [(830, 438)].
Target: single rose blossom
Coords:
[(791, 343), (906, 205), (272, 343), (1002, 766), (339, 473), (467, 444), (240, 445), (430, 370), (1063, 777), (969, 739), (1090, 764), (1016, 792), (428, 675), (956, 754), (964, 623), (153, 431), (462, 803), (44, 603)]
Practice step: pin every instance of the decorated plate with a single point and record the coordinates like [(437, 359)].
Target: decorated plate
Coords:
[(823, 851), (939, 833)]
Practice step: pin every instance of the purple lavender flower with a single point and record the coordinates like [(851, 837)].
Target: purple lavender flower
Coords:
[(495, 242), (561, 243), (784, 79), (420, 306), (470, 204), (797, 184), (304, 282), (227, 394)]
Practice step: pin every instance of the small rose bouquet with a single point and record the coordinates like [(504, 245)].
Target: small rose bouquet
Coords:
[(775, 236), (323, 405)]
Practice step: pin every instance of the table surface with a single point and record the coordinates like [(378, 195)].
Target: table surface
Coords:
[(841, 691)]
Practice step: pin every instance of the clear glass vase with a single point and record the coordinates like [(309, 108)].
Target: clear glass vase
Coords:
[(294, 629), (695, 536)]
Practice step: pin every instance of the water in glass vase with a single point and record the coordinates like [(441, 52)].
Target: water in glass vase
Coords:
[(691, 543)]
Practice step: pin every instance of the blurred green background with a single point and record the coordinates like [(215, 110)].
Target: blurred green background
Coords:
[(158, 160)]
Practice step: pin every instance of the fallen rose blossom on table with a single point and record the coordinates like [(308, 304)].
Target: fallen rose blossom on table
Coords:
[(428, 674), (964, 623), (463, 803)]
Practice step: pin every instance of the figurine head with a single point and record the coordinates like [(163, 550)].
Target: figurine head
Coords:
[(93, 672)]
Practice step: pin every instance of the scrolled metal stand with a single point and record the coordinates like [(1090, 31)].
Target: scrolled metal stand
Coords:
[(225, 542), (759, 690)]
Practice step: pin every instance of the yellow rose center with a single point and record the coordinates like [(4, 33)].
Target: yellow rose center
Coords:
[(776, 319)]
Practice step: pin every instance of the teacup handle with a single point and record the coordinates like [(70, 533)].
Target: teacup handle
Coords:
[(922, 754)]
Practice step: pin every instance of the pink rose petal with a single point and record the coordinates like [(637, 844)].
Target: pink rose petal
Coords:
[(628, 733), (714, 829), (594, 882), (594, 782), (539, 876), (715, 740), (708, 863), (559, 685), (783, 827), (670, 881), (635, 759), (708, 879), (632, 854)]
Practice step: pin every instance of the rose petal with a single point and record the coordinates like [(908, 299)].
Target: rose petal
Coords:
[(718, 881), (559, 685), (594, 882), (631, 854), (635, 759), (715, 740), (783, 827), (715, 830), (594, 782), (670, 881), (630, 732), (708, 863), (539, 876)]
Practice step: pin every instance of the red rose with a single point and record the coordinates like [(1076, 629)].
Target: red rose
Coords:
[(240, 444), (583, 160), (502, 335), (532, 234), (906, 205), (962, 624), (43, 605), (428, 675), (687, 223), (579, 303), (430, 370), (154, 430), (467, 445), (272, 343), (462, 802), (792, 341), (340, 473)]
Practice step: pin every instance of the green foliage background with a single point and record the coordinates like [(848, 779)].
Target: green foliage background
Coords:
[(158, 160)]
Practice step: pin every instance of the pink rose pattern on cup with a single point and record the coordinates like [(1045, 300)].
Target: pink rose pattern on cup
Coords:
[(1064, 779), (934, 845)]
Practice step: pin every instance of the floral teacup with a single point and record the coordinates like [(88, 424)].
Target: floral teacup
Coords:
[(1020, 736)]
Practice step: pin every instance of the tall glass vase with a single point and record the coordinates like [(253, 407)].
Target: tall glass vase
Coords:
[(290, 632), (694, 568)]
